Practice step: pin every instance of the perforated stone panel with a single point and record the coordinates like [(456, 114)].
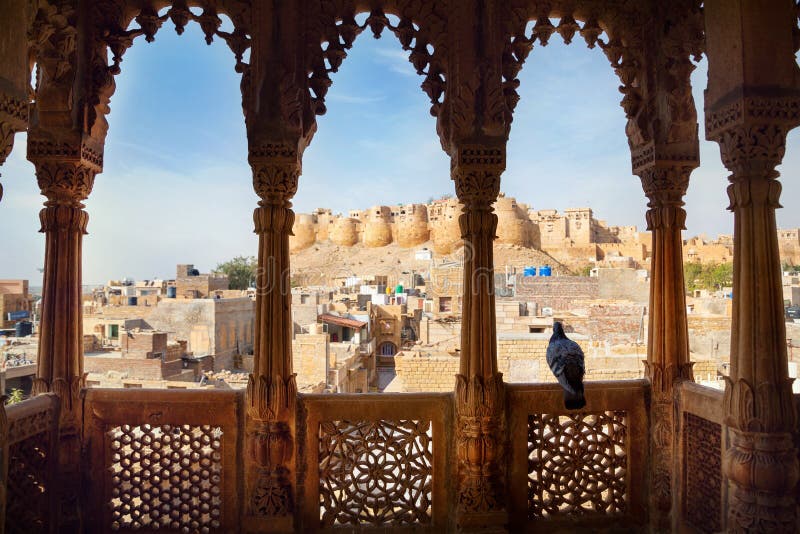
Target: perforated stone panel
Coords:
[(375, 472), (166, 477), (577, 464), (27, 503), (702, 456), (28, 492)]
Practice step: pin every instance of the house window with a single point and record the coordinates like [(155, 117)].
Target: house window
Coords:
[(388, 349), (445, 304), (113, 331)]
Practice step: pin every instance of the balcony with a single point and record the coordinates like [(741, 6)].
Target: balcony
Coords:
[(174, 461)]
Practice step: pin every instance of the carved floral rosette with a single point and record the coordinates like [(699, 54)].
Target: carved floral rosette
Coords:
[(479, 431)]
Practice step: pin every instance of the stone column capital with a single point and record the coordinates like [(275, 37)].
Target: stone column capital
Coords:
[(751, 129), (476, 171), (753, 149), (665, 185), (276, 170), (65, 182)]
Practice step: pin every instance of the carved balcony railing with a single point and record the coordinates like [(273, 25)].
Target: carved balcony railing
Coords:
[(32, 455), (375, 461), (172, 460), (700, 450), (577, 470), (166, 460)]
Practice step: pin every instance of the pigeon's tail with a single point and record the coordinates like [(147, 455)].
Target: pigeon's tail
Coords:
[(574, 401)]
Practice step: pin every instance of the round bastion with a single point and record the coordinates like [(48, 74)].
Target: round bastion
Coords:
[(344, 232), (445, 231), (513, 226), (305, 233), (411, 225), (378, 227)]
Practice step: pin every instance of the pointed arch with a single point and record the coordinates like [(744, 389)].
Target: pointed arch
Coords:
[(114, 26), (420, 28), (624, 33)]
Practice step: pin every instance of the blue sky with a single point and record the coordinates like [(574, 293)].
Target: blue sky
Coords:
[(176, 187)]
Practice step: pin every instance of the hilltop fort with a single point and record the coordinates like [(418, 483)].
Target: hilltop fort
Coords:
[(573, 237)]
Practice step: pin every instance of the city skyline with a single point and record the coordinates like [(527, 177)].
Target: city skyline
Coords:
[(176, 184)]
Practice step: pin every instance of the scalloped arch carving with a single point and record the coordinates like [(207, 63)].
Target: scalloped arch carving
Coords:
[(621, 30), (110, 18), (422, 26)]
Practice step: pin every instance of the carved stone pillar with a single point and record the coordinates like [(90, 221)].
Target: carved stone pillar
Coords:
[(762, 460), (271, 388), (667, 334), (480, 393), (3, 461), (65, 176)]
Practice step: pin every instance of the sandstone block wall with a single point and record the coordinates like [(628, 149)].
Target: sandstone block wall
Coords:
[(433, 332), (137, 368), (309, 352), (426, 372), (520, 357), (559, 293), (234, 324), (143, 344), (623, 284), (614, 324)]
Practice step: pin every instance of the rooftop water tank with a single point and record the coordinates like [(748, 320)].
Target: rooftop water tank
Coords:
[(529, 271), (399, 289), (23, 329), (545, 270)]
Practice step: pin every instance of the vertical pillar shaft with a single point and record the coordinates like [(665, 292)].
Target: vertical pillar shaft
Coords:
[(3, 462), (271, 388), (480, 394), (667, 334), (761, 461), (65, 183)]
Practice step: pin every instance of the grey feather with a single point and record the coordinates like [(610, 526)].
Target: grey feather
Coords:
[(565, 359)]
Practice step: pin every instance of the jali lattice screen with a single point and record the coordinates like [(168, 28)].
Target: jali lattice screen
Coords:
[(375, 472), (577, 464)]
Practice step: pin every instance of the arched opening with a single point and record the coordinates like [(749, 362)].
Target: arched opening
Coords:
[(388, 348), (569, 180), (173, 202), (362, 205)]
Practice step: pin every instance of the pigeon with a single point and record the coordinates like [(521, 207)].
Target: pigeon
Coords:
[(565, 359)]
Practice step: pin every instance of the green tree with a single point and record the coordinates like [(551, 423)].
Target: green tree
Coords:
[(722, 275), (691, 273), (241, 271), (15, 396), (710, 276)]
